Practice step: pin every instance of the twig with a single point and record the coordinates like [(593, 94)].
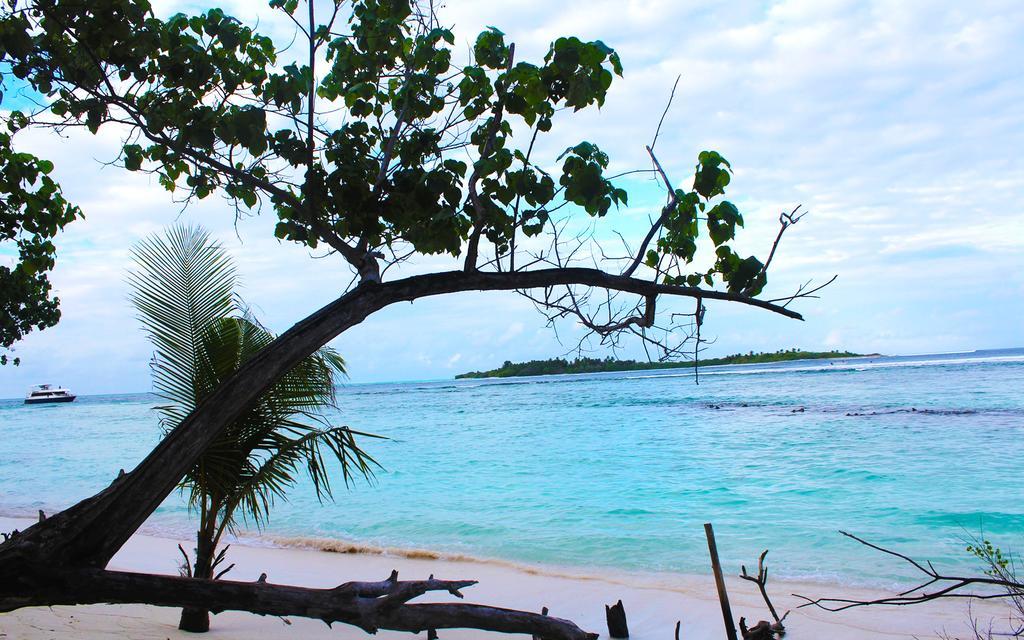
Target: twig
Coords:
[(186, 569), (801, 293), (665, 112), (787, 220), (666, 211)]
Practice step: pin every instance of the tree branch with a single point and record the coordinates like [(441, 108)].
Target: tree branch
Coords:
[(371, 606), (786, 220), (311, 98), (666, 211), (664, 113), (946, 586), (140, 123), (474, 239)]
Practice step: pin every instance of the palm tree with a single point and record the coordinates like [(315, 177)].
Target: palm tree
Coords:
[(183, 289)]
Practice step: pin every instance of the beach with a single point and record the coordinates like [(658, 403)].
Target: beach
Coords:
[(653, 604)]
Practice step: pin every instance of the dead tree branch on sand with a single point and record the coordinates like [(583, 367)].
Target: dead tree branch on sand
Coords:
[(371, 606), (934, 586)]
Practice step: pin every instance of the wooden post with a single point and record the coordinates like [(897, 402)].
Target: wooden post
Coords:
[(616, 616), (723, 597)]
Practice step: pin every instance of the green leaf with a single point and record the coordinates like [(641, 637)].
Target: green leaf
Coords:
[(490, 50), (723, 219)]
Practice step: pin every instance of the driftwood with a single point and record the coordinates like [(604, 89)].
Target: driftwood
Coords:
[(760, 631), (761, 580), (616, 616), (371, 606)]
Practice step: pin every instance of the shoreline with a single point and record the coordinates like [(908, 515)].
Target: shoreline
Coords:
[(833, 583), (620, 575), (652, 606)]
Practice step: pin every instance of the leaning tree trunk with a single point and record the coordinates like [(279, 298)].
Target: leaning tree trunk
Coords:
[(61, 560)]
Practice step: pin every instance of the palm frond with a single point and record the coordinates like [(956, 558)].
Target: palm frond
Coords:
[(291, 447), (182, 285), (183, 290)]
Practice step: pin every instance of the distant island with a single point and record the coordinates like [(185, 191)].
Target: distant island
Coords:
[(595, 365)]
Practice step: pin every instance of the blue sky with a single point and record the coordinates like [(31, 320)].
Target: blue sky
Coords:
[(898, 125)]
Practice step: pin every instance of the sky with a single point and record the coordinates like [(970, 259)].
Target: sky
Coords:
[(897, 125)]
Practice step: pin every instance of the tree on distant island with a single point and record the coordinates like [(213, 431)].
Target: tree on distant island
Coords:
[(369, 143), (183, 286), (593, 365)]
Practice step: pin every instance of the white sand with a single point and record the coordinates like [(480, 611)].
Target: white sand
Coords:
[(652, 604)]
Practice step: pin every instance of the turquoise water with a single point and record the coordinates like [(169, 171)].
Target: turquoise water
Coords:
[(621, 470)]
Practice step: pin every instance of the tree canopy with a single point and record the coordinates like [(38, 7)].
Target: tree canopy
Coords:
[(368, 139), (366, 135)]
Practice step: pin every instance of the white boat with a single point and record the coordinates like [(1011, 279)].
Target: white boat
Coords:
[(42, 393)]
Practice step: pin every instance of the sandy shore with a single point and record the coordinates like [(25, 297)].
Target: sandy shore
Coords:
[(653, 604)]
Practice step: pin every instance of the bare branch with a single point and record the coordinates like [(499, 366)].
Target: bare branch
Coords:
[(803, 292), (666, 211), (786, 220), (761, 580), (947, 586), (650, 149)]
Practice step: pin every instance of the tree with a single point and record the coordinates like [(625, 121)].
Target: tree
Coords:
[(32, 211), (184, 292), (361, 146)]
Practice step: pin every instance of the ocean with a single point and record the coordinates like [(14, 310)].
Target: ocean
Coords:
[(619, 471)]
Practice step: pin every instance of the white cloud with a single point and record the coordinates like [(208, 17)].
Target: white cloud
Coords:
[(513, 331)]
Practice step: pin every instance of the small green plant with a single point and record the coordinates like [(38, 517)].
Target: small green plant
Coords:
[(992, 556)]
